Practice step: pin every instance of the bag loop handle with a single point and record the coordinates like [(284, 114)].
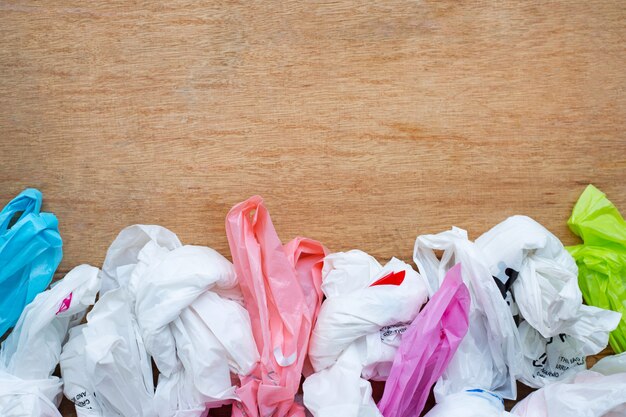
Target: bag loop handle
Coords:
[(27, 202)]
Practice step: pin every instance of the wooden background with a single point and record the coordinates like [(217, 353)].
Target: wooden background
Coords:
[(361, 125)]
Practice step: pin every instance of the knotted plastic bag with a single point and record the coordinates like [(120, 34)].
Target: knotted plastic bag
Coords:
[(30, 354), (427, 347), (367, 309), (557, 331), (181, 306), (489, 357), (30, 251), (281, 289), (599, 392), (601, 259)]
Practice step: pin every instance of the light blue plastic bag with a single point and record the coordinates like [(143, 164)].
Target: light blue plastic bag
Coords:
[(30, 251)]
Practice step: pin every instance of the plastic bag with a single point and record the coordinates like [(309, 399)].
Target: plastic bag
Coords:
[(30, 251), (557, 331), (426, 348), (469, 403), (104, 365), (30, 354), (281, 289), (599, 392), (358, 331), (489, 355), (601, 259), (179, 305)]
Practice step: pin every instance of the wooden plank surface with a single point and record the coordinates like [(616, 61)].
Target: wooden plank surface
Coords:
[(361, 125)]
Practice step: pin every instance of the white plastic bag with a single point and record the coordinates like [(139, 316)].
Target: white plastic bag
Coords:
[(181, 306), (30, 354), (599, 392), (106, 369), (469, 403), (489, 355), (557, 331), (358, 330)]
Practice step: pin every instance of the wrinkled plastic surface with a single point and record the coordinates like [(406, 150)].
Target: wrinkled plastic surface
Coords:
[(281, 288), (179, 305), (30, 251), (469, 403), (599, 392), (31, 352), (601, 258), (427, 347), (358, 331), (557, 331), (489, 357), (105, 367)]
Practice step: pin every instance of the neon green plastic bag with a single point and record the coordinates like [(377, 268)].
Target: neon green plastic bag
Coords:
[(601, 258)]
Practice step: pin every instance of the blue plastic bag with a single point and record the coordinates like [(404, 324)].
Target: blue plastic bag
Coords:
[(30, 251)]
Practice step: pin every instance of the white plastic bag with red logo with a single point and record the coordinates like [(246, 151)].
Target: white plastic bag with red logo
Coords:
[(557, 331), (31, 352), (358, 331)]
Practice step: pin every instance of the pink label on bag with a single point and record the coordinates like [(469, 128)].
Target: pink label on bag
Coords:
[(65, 304)]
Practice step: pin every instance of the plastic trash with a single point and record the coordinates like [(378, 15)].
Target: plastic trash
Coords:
[(358, 331), (281, 289), (30, 251), (557, 331), (427, 347), (179, 305), (469, 403), (599, 392), (30, 354), (489, 357), (601, 259), (104, 364)]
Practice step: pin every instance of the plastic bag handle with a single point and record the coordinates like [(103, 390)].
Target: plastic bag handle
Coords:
[(28, 201)]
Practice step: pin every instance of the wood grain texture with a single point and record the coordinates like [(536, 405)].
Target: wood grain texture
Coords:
[(361, 125)]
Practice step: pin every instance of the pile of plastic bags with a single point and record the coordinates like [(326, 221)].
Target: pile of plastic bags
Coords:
[(288, 330)]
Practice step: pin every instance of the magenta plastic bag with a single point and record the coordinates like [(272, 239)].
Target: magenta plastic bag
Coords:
[(281, 288), (427, 347)]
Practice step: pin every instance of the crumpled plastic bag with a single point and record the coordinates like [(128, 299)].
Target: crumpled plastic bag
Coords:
[(469, 403), (427, 347), (30, 354), (601, 259), (105, 367), (557, 331), (599, 392), (489, 357), (179, 305), (30, 251), (358, 331), (281, 289)]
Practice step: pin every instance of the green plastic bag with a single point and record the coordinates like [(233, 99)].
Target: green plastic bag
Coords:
[(601, 258)]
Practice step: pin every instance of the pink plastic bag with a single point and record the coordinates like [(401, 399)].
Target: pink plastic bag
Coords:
[(281, 289), (427, 346)]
